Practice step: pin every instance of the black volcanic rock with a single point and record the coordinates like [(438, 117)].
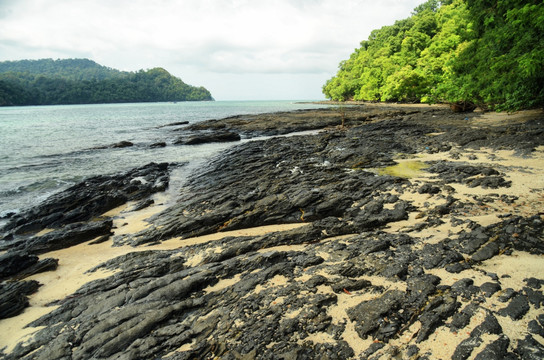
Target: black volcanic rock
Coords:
[(73, 216), (278, 295), (119, 145), (13, 297), (91, 198), (213, 137)]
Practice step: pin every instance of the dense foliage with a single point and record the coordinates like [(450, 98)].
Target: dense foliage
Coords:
[(69, 69), (490, 53), (82, 81)]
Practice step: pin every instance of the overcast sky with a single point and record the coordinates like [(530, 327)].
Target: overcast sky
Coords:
[(237, 49)]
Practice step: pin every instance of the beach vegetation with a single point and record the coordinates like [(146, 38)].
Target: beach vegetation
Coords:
[(489, 53)]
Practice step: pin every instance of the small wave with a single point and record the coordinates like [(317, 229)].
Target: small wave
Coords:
[(38, 186), (6, 214), (68, 154), (11, 192), (27, 196), (37, 166), (46, 185)]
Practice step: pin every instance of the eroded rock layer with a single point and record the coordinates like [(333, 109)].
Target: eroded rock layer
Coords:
[(383, 265)]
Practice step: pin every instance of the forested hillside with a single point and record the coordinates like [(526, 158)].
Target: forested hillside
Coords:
[(82, 81), (489, 53), (69, 69)]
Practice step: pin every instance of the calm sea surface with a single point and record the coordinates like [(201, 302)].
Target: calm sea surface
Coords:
[(45, 149)]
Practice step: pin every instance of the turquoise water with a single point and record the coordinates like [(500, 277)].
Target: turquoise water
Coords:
[(44, 149)]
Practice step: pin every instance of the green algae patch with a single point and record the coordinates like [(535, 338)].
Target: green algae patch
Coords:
[(404, 169)]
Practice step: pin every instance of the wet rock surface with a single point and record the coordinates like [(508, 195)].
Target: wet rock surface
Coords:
[(211, 137), (90, 198), (345, 284), (119, 145), (72, 216), (249, 126)]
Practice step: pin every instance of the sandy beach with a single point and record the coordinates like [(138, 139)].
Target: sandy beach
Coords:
[(320, 288)]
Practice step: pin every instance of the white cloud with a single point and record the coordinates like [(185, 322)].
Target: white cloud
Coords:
[(197, 39)]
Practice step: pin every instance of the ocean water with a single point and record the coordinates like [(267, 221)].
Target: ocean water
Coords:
[(45, 149)]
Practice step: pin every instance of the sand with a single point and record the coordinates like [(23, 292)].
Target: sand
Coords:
[(526, 175), (74, 262)]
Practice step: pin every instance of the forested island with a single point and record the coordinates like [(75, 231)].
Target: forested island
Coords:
[(466, 52), (83, 81)]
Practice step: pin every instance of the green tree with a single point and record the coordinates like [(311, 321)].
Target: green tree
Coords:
[(501, 67), (82, 81), (471, 51)]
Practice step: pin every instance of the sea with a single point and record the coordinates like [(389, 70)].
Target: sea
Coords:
[(46, 149)]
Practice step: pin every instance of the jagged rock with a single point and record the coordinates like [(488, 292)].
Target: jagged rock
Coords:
[(517, 307), (350, 285), (13, 297), (473, 176), (273, 295), (486, 252), (66, 212), (534, 282), (69, 235), (369, 316), (506, 295), (496, 350), (490, 288), (420, 288), (465, 348), (490, 325), (462, 318), (177, 123), (439, 255), (536, 298), (159, 144), (535, 327), (435, 314), (428, 189), (529, 349), (48, 264), (471, 241), (91, 198), (372, 349), (225, 136), (292, 121), (143, 204), (465, 287), (457, 267), (121, 144), (13, 262)]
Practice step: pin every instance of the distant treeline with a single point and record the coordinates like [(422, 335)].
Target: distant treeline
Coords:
[(489, 53), (82, 81)]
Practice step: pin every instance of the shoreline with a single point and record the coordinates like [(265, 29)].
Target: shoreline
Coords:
[(329, 229)]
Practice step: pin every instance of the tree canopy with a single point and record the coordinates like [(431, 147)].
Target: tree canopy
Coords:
[(490, 53), (82, 81)]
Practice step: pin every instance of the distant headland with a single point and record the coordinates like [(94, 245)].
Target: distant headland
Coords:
[(83, 81)]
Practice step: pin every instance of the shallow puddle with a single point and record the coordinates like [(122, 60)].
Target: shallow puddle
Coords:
[(406, 169)]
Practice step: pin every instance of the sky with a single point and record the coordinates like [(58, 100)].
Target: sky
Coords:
[(237, 49)]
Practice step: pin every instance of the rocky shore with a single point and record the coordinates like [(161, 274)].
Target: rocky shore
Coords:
[(411, 232)]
